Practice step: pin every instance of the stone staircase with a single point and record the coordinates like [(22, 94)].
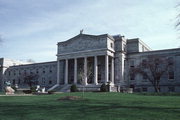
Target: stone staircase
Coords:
[(60, 88), (87, 88)]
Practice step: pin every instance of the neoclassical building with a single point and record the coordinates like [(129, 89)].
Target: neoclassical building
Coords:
[(91, 60)]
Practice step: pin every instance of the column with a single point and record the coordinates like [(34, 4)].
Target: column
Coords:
[(95, 71), (112, 70), (85, 71), (66, 72), (75, 71), (58, 72), (106, 68)]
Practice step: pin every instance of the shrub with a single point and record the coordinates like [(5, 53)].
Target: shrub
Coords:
[(74, 88), (33, 89), (27, 91), (103, 88), (51, 92)]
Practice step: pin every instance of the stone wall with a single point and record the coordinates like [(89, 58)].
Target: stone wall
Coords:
[(166, 84), (46, 72)]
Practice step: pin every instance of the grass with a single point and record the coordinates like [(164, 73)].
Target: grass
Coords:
[(95, 106)]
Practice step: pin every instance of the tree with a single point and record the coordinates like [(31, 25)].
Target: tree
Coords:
[(82, 75), (153, 68), (31, 79)]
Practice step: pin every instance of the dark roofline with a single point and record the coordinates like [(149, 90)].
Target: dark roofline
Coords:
[(155, 51), (33, 64)]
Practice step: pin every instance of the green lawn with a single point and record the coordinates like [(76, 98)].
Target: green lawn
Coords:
[(96, 106)]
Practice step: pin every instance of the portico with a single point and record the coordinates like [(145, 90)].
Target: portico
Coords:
[(86, 70)]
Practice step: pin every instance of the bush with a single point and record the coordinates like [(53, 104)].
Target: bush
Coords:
[(33, 89), (74, 88), (103, 88), (51, 92), (27, 91)]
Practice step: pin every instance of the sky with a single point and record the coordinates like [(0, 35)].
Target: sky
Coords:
[(31, 29)]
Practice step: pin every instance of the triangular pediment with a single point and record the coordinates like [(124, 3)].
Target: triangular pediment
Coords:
[(83, 42)]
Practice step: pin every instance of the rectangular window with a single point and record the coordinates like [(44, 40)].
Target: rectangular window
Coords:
[(43, 70), (171, 72), (171, 75), (170, 60), (131, 63), (37, 71), (19, 81), (112, 45), (50, 82), (171, 89), (145, 77), (14, 81), (132, 76), (144, 89)]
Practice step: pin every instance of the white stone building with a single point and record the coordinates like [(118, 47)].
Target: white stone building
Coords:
[(90, 60)]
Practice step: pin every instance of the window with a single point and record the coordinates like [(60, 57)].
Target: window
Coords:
[(9, 73), (112, 45), (50, 71), (132, 76), (145, 77), (144, 63), (171, 75), (14, 81), (19, 81), (37, 71), (171, 89), (50, 82), (43, 70), (170, 60), (131, 63), (171, 72), (144, 89), (25, 72)]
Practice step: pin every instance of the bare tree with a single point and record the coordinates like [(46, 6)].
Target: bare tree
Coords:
[(31, 79), (82, 75), (153, 68)]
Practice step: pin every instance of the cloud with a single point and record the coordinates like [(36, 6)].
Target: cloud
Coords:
[(34, 26)]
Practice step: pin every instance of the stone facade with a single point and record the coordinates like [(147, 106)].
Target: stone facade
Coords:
[(16, 72), (90, 60)]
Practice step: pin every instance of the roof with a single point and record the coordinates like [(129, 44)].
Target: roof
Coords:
[(86, 35)]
